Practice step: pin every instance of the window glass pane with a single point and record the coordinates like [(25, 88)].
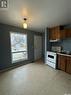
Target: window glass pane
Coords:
[(18, 46), (18, 42), (19, 56)]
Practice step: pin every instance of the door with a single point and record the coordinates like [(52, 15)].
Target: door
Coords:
[(37, 47)]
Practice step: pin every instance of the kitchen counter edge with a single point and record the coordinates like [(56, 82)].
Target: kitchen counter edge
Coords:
[(64, 54)]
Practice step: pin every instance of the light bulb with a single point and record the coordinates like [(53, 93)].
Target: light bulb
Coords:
[(25, 25)]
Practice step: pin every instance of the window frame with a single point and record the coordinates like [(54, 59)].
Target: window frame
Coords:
[(18, 51)]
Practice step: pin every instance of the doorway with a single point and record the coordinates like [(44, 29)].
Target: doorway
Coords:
[(37, 47)]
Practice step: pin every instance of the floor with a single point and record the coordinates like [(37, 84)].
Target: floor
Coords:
[(35, 79)]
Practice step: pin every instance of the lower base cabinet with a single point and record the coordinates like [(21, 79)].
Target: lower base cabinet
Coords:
[(68, 65), (64, 63)]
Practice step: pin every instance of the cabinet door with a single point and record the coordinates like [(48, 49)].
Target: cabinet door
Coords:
[(62, 62), (54, 33), (63, 34), (57, 32), (68, 33), (68, 65), (59, 59)]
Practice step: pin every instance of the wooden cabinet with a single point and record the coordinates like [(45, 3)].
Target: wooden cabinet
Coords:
[(68, 33), (64, 63), (56, 33), (63, 34), (68, 65), (59, 62)]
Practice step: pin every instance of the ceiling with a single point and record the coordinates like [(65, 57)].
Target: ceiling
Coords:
[(40, 13)]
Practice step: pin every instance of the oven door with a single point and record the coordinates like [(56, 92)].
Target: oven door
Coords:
[(51, 64), (51, 56)]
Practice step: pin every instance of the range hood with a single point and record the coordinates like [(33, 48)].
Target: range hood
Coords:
[(56, 40)]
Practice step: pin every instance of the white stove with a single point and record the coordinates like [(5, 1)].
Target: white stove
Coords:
[(51, 59)]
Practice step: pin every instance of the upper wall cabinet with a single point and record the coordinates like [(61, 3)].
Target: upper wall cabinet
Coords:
[(68, 33), (57, 33)]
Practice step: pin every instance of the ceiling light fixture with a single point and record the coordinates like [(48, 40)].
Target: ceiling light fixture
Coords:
[(25, 23)]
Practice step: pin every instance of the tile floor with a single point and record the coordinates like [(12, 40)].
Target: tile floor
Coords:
[(35, 79)]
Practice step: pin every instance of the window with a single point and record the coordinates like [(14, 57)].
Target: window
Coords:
[(18, 46)]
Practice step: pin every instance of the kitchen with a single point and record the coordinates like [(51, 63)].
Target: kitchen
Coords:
[(58, 48), (31, 32)]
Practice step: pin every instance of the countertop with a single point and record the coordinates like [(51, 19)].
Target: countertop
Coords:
[(60, 53), (69, 55)]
